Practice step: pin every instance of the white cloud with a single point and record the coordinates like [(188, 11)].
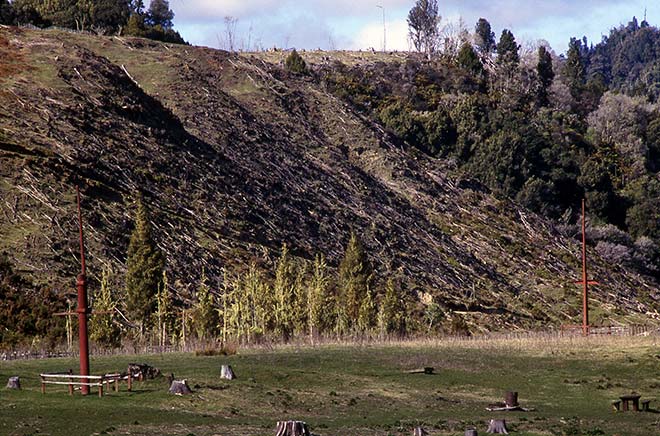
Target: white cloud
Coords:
[(357, 23), (371, 36)]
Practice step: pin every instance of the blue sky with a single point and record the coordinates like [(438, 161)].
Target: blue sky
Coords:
[(358, 24)]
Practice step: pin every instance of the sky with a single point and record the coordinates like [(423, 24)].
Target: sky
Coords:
[(358, 24)]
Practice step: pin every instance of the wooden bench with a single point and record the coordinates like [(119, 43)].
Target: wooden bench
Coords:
[(72, 380), (646, 405), (616, 405)]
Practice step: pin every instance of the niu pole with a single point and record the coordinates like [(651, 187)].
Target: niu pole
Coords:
[(81, 284), (585, 282)]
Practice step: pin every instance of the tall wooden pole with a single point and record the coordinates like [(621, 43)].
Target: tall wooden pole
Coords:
[(81, 283), (585, 297), (585, 282)]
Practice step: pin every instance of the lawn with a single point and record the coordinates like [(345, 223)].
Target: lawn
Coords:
[(356, 390)]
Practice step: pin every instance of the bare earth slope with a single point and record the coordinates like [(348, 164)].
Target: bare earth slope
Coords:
[(234, 157)]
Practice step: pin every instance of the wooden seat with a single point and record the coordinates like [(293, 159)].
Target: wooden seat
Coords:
[(646, 405), (616, 405)]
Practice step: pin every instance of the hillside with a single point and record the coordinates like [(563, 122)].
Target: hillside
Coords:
[(234, 157)]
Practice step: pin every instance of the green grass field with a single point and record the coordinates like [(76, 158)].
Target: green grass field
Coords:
[(356, 390)]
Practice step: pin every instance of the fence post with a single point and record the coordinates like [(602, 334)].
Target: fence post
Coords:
[(43, 385), (70, 383), (130, 381), (101, 387)]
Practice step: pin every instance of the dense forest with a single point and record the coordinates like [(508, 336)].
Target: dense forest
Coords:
[(124, 17)]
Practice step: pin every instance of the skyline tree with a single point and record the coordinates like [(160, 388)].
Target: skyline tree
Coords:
[(507, 51), (546, 75), (423, 26), (484, 37)]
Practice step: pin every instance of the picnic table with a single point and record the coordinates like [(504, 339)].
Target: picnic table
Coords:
[(630, 398)]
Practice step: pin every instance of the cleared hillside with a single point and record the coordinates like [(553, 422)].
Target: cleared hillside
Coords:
[(234, 157)]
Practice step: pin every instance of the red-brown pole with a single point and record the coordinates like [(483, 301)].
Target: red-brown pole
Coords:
[(81, 283), (585, 284)]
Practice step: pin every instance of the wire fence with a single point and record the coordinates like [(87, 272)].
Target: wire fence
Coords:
[(569, 333)]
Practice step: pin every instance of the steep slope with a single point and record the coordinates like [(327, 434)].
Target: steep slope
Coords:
[(235, 157)]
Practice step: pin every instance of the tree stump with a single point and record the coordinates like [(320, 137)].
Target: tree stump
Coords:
[(180, 387), (471, 432), (227, 373), (14, 383), (419, 431), (292, 428), (497, 426), (511, 399)]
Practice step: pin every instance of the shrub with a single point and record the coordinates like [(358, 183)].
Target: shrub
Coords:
[(295, 63)]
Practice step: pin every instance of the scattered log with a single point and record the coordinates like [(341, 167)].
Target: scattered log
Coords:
[(510, 409), (419, 431), (180, 387), (497, 426), (14, 383), (429, 370), (142, 371), (471, 432), (292, 428), (227, 373)]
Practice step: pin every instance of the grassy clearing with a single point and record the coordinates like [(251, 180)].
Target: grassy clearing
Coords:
[(351, 390)]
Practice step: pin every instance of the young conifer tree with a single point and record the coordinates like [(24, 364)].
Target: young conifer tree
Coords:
[(205, 314), (317, 296), (367, 314), (103, 329), (300, 303), (391, 316), (355, 276), (283, 292), (144, 264), (165, 316)]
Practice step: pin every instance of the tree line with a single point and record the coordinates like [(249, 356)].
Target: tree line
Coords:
[(125, 17)]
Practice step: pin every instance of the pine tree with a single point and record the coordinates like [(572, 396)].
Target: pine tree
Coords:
[(300, 302), (318, 296), (507, 51), (103, 329), (355, 275), (283, 288), (295, 63), (6, 12), (574, 68), (205, 314), (469, 60), (391, 316), (484, 37), (367, 314), (160, 14), (165, 317), (144, 274), (545, 75), (260, 298)]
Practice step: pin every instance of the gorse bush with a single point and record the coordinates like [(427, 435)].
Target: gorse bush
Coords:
[(295, 63)]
